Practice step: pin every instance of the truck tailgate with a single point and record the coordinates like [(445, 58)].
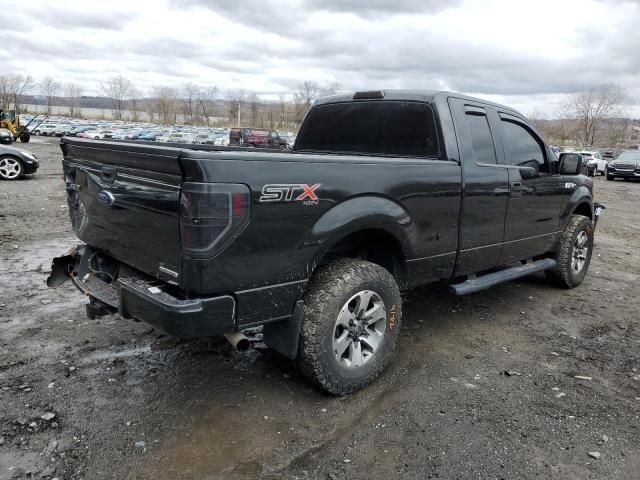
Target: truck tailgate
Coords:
[(124, 199)]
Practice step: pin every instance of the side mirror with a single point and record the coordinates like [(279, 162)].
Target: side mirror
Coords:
[(570, 164)]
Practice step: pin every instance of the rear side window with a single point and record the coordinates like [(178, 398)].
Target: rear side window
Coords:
[(481, 138), (392, 128), (523, 149)]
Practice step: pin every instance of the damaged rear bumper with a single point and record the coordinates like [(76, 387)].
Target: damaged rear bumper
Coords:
[(113, 287)]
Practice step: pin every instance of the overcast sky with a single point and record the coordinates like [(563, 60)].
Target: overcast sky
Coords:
[(521, 52)]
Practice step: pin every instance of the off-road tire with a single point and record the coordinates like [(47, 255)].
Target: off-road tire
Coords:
[(329, 289), (563, 275)]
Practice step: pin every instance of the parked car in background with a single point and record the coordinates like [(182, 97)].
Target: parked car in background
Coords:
[(6, 137), (16, 162), (201, 138), (77, 130), (626, 166), (222, 140), (594, 162), (256, 137), (150, 136), (61, 131), (45, 129), (288, 137), (97, 134), (180, 137)]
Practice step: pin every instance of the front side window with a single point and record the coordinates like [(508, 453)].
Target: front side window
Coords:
[(481, 139), (522, 148), (387, 127)]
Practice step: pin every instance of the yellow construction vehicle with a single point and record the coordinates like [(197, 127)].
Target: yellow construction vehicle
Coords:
[(11, 121)]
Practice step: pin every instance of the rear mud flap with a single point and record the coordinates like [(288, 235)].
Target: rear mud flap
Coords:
[(283, 336), (62, 267)]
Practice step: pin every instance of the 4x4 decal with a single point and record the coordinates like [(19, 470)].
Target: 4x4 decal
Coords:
[(290, 192)]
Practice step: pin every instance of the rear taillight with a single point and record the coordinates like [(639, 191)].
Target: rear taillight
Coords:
[(211, 215)]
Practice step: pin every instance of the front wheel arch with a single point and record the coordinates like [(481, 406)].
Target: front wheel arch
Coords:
[(585, 209)]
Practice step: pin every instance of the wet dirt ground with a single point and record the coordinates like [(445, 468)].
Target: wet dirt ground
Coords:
[(113, 399)]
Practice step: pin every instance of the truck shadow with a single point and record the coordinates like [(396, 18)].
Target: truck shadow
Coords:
[(243, 414)]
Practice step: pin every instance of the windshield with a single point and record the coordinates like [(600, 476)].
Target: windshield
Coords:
[(630, 155), (396, 128)]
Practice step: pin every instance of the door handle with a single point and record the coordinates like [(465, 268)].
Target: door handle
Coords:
[(515, 189)]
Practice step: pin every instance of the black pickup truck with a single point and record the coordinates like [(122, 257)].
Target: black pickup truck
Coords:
[(383, 191)]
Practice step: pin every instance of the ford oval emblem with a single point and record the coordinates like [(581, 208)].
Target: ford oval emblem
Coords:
[(106, 198)]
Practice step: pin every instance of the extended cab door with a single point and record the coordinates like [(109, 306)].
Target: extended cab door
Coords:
[(486, 187), (535, 192)]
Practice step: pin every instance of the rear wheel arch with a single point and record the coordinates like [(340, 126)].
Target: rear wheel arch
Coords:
[(375, 245), (370, 227)]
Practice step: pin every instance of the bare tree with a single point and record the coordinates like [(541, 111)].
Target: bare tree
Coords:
[(591, 108), (166, 102), (118, 90), (5, 91), (190, 102), (617, 132), (13, 87), (73, 93), (330, 89), (307, 93), (235, 107), (254, 106), (134, 97), (207, 102), (48, 88)]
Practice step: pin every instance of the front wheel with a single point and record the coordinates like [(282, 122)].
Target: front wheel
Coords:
[(352, 313), (609, 177), (573, 253), (11, 168)]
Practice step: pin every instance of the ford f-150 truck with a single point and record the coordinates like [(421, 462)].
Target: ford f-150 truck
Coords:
[(383, 191)]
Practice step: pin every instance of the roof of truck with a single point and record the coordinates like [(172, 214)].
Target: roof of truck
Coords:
[(428, 96)]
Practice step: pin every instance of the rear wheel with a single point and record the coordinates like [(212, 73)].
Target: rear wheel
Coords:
[(352, 312), (10, 168), (573, 253)]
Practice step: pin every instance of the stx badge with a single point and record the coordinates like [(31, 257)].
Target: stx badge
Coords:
[(290, 192)]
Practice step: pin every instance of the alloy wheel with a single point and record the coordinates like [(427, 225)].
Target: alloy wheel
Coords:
[(10, 168), (359, 329)]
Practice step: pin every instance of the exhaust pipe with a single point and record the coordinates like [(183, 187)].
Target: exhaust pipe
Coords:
[(238, 341)]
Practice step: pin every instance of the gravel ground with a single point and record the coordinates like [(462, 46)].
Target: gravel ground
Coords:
[(113, 399)]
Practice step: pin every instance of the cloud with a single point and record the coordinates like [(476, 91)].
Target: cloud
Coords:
[(380, 7), (493, 48)]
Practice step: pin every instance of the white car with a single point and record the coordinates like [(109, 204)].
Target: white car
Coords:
[(595, 163), (179, 137), (222, 140), (46, 129)]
